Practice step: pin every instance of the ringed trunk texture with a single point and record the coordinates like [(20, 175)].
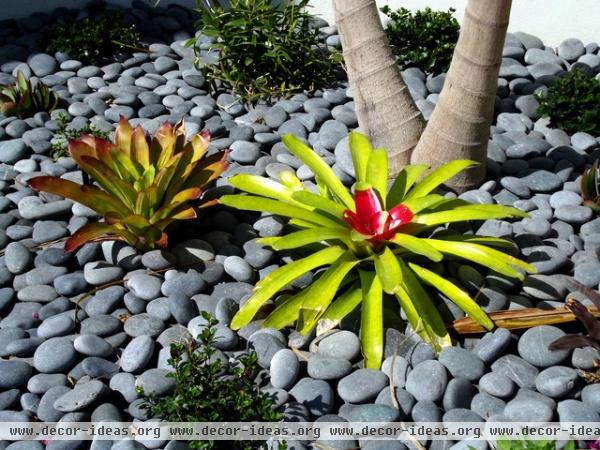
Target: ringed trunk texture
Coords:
[(459, 127), (385, 109)]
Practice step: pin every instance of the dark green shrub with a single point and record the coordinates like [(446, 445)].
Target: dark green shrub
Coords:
[(206, 390), (425, 39), (265, 51), (60, 140), (91, 40), (525, 444), (573, 103)]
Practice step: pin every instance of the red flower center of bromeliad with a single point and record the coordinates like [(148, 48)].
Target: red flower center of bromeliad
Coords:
[(371, 220)]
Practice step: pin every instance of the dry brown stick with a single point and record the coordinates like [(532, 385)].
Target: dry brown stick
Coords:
[(516, 319)]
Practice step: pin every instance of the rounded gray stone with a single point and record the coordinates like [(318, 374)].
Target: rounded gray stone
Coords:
[(56, 355), (327, 368), (137, 354), (14, 373), (92, 345), (316, 395), (342, 344), (533, 346), (82, 396), (427, 380), (462, 363), (362, 385), (556, 381), (284, 369), (143, 324)]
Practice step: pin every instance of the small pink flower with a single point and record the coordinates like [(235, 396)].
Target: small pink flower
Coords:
[(371, 220), (593, 445), (45, 441), (35, 315)]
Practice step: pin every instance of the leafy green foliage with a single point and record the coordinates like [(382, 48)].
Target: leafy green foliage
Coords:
[(265, 51), (207, 390), (62, 136), (145, 185), (525, 444), (369, 243), (91, 40), (425, 39), (590, 187), (24, 99), (573, 103)]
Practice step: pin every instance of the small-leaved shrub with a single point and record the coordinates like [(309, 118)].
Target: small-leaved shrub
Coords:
[(63, 134), (573, 103), (91, 40), (590, 187), (24, 98), (145, 184), (208, 390), (368, 243), (265, 51), (424, 39)]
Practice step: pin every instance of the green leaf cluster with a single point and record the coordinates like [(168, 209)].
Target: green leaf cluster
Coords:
[(265, 51), (525, 444), (63, 134), (573, 103), (590, 187), (424, 39), (144, 184), (356, 271), (209, 390), (91, 40), (24, 98)]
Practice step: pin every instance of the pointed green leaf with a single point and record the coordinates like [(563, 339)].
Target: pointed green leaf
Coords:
[(438, 177), (417, 245), (455, 294), (486, 256), (254, 184), (310, 236), (417, 304), (323, 291), (343, 306), (287, 312), (278, 279), (469, 212), (267, 205), (318, 201), (388, 270), (371, 320), (320, 168), (360, 150), (416, 205), (377, 173)]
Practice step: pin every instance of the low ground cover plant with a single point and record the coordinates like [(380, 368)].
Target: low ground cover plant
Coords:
[(265, 51), (91, 40), (210, 390), (423, 39), (24, 98), (63, 134), (573, 103), (144, 184), (368, 243)]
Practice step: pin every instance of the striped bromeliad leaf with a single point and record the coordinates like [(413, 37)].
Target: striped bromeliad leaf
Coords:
[(143, 184), (371, 244)]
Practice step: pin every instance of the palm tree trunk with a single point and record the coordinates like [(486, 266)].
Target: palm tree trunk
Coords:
[(385, 109), (460, 124)]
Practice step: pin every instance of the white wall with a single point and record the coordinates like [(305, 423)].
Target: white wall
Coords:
[(550, 20)]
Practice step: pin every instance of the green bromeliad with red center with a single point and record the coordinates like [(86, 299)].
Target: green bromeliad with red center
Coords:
[(368, 246)]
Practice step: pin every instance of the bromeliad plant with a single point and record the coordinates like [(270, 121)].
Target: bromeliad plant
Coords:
[(145, 184), (590, 187), (24, 99), (369, 243)]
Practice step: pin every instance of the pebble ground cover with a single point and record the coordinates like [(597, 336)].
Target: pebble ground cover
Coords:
[(53, 367)]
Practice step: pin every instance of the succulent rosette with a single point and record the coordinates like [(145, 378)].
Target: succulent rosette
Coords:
[(24, 99), (368, 246), (144, 184)]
